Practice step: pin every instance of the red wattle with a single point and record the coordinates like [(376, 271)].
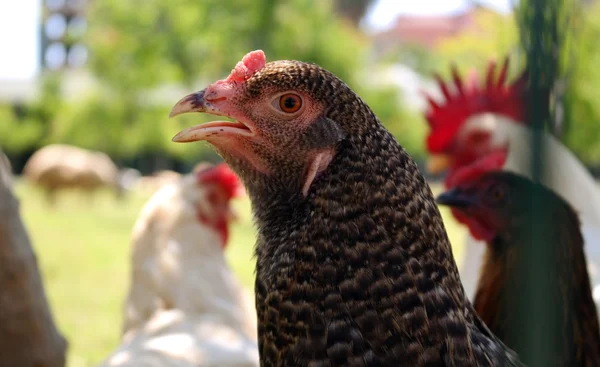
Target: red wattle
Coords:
[(477, 230), (220, 225)]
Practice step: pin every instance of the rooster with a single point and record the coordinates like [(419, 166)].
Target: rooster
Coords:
[(354, 265), (484, 128), (185, 307), (497, 207)]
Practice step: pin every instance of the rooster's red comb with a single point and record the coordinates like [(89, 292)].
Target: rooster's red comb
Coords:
[(496, 96), (223, 176)]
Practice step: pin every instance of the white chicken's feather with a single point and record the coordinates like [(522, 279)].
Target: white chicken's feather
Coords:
[(185, 306)]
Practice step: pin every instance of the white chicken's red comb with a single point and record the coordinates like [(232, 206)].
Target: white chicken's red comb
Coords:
[(252, 62), (223, 176), (446, 118)]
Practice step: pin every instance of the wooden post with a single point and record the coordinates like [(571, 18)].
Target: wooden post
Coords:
[(28, 335)]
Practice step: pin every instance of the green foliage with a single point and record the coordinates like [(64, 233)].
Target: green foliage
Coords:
[(322, 38), (581, 101), (15, 135), (138, 47), (417, 57), (353, 10), (141, 51), (30, 127), (493, 37)]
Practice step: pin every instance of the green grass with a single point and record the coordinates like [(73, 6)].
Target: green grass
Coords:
[(83, 250)]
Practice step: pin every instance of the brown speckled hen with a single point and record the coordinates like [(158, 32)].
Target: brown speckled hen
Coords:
[(497, 204), (354, 265)]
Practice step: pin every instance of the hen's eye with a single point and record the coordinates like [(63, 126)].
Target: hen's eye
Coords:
[(290, 103), (496, 193)]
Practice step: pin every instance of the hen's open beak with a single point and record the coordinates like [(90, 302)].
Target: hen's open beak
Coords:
[(455, 198), (197, 102), (438, 163)]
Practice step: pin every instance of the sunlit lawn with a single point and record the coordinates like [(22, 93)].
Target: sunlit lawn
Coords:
[(83, 250)]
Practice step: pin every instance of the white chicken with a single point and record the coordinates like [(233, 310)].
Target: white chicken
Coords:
[(185, 307), (485, 127)]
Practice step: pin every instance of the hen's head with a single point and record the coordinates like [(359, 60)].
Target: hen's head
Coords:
[(493, 204), (219, 185), (466, 128), (285, 127)]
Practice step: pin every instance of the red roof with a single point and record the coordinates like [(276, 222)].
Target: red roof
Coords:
[(428, 30)]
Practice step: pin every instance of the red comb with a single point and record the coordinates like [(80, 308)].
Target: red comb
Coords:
[(446, 118), (223, 176), (250, 64)]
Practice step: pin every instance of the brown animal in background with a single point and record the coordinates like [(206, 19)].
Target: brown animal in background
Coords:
[(497, 206), (185, 306), (354, 264), (57, 167)]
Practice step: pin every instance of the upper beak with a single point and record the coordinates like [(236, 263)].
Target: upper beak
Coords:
[(438, 163), (455, 198), (191, 103)]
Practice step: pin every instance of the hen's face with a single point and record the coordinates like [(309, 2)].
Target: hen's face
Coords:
[(490, 204), (279, 130), (219, 185)]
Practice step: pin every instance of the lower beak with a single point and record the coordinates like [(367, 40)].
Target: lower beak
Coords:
[(455, 198), (196, 102), (438, 163)]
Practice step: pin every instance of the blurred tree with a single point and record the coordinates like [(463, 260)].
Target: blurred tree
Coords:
[(494, 36), (353, 10), (25, 127), (582, 111), (140, 50), (419, 58)]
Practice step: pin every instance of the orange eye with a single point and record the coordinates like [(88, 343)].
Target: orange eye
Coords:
[(290, 103)]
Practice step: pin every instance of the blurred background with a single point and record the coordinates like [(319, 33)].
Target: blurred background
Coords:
[(103, 74)]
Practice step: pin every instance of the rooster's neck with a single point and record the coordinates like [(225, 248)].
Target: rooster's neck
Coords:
[(567, 296)]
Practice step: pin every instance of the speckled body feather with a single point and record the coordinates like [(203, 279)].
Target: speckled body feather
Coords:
[(359, 272), (578, 343)]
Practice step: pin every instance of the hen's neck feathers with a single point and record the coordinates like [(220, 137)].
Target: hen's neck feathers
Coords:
[(569, 287), (362, 269)]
